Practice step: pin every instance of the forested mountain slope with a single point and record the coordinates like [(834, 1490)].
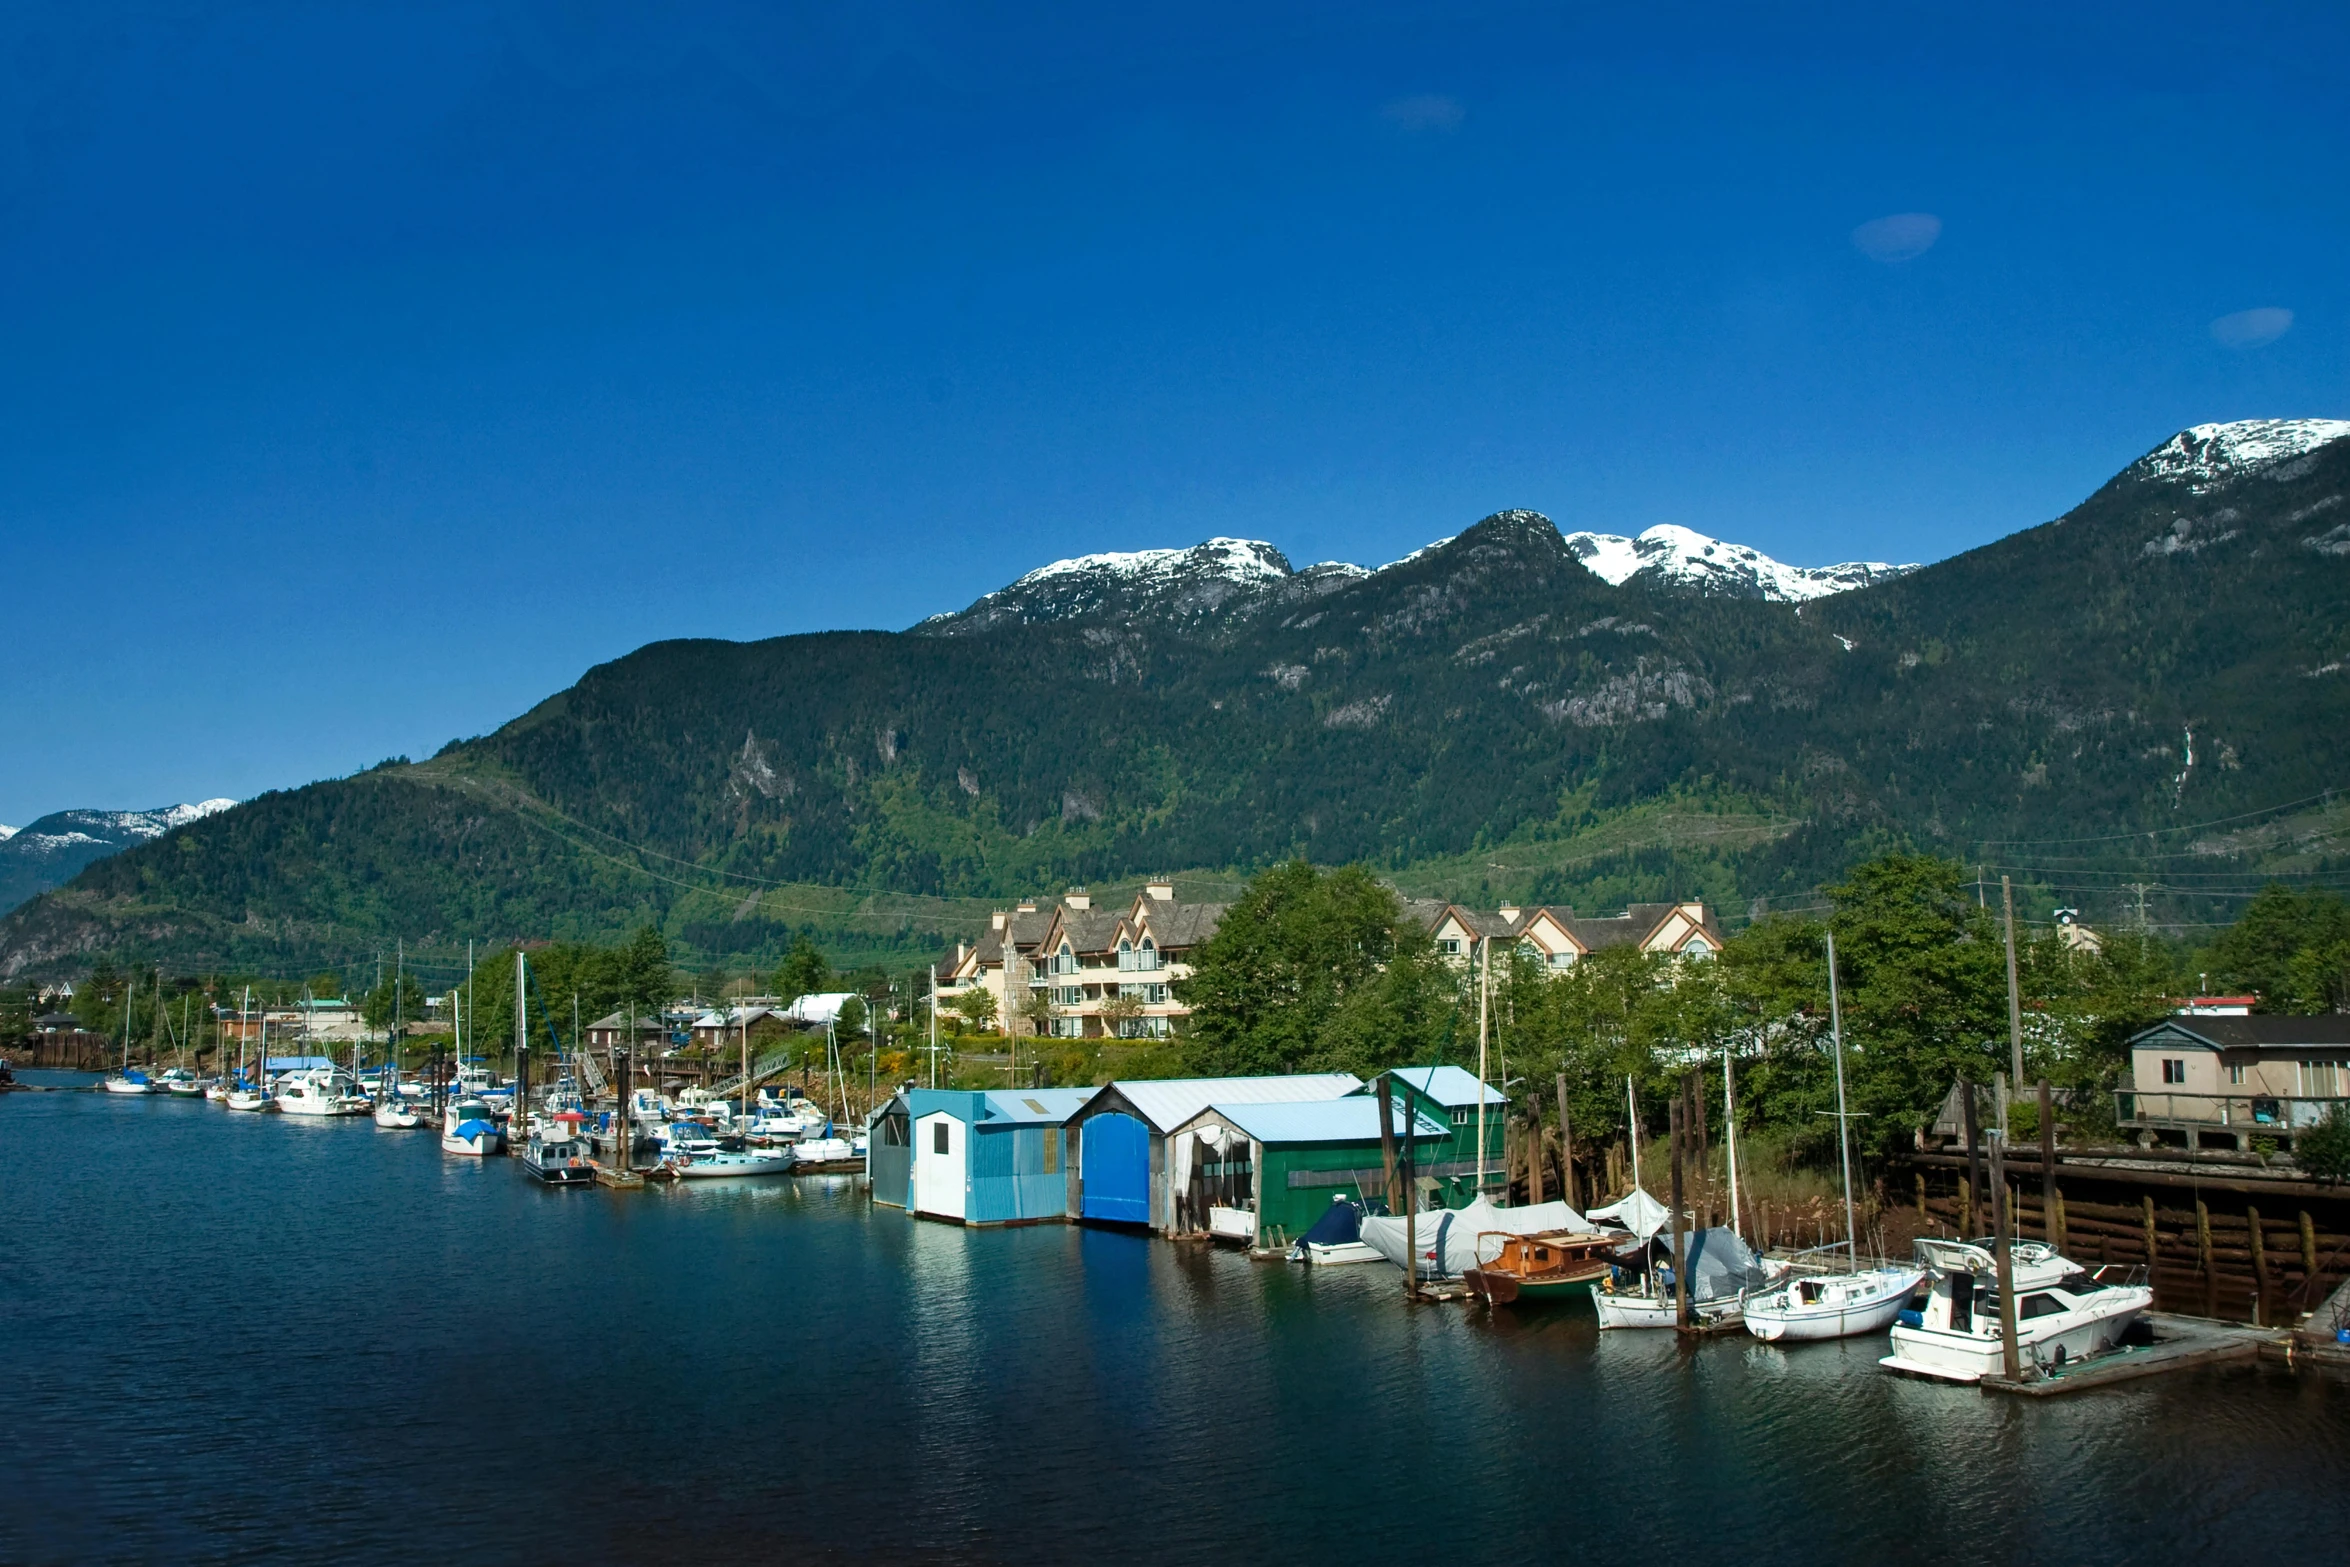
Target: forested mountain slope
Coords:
[(1487, 712)]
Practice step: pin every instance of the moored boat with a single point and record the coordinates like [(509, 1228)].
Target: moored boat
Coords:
[(1547, 1268), (2064, 1312), (559, 1161), (179, 1082), (321, 1091), (468, 1127), (1832, 1305), (396, 1114), (1336, 1238), (252, 1098), (130, 1080)]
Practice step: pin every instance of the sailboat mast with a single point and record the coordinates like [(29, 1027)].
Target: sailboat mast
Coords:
[(1632, 1128), (521, 1034), (1730, 1139), (1484, 1007), (130, 1002), (1843, 1117)]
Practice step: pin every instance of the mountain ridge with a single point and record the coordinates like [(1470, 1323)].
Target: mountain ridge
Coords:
[(1488, 705), (53, 849)]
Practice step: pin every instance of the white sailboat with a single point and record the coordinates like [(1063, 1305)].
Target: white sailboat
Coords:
[(123, 1080), (1860, 1300)]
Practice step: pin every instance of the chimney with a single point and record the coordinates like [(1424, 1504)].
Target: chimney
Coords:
[(1027, 908), (962, 951), (1160, 891), (998, 918), (1078, 898), (1510, 912)]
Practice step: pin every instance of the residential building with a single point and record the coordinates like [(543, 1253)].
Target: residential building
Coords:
[(2220, 1079), (1558, 938), (1105, 972)]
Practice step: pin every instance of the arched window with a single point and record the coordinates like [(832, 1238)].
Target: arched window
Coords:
[(1067, 962), (1697, 947), (1125, 953), (1150, 954)]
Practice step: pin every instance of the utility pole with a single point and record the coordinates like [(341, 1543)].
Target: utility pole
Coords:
[(2015, 1006)]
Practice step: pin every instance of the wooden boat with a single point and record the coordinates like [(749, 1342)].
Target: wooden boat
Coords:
[(1539, 1269)]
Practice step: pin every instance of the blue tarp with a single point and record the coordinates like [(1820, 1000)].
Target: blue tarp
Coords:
[(1340, 1223)]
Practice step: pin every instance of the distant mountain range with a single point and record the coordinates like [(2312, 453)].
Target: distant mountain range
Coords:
[(1509, 712), (52, 851)]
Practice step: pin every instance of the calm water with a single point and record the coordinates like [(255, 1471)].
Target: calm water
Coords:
[(230, 1337)]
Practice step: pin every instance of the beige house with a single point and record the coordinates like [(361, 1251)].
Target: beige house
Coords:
[(1558, 939), (2218, 1081), (1105, 972)]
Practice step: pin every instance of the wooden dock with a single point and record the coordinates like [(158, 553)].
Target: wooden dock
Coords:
[(2180, 1344)]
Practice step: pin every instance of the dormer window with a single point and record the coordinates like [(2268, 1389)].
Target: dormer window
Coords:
[(1149, 956), (1697, 947), (1125, 953), (1065, 962)]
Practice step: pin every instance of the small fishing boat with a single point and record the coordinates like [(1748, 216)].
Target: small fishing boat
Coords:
[(468, 1128), (2064, 1312), (1547, 1268), (130, 1080), (559, 1161), (180, 1083)]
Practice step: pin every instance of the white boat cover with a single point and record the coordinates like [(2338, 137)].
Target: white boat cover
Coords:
[(1448, 1238), (1640, 1213)]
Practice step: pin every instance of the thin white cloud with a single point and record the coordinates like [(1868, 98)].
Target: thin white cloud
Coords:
[(2251, 328), (1903, 236), (1425, 112)]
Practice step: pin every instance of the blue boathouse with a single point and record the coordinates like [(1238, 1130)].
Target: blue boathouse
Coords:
[(991, 1157)]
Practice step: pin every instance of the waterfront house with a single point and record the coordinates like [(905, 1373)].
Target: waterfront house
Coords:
[(725, 1027), (1454, 1094), (995, 1156), (2208, 1080), (889, 1156), (1264, 1173), (611, 1032), (1127, 1170)]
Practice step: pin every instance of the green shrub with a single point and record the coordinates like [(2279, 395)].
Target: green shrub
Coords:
[(2324, 1150)]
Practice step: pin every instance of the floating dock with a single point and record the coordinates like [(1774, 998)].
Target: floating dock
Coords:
[(2180, 1344)]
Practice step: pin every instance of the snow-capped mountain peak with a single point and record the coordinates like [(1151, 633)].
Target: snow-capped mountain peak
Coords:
[(1677, 554), (2211, 454), (1232, 560), (47, 852), (6, 832), (1181, 585)]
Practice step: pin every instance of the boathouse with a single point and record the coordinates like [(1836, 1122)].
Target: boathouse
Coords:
[(1124, 1172), (1454, 1166), (993, 1157), (889, 1155), (1264, 1173)]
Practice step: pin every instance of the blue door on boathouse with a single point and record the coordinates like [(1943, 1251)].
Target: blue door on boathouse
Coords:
[(1115, 1155)]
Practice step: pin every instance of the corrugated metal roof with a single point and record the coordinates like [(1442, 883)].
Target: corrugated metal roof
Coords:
[(1449, 1085), (1039, 1106), (1351, 1120), (1169, 1102)]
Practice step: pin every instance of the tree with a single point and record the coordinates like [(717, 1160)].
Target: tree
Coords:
[(1118, 1011), (804, 971), (976, 1007), (377, 1007), (2324, 1150), (1316, 968), (2289, 948), (852, 1016), (644, 975)]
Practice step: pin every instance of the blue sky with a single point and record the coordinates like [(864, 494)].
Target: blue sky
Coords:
[(367, 373)]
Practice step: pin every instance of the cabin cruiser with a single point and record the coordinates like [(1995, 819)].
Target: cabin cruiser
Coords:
[(321, 1091), (469, 1127), (129, 1080), (559, 1160), (2063, 1312), (1831, 1305)]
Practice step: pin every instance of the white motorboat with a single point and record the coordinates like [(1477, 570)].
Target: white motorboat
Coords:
[(179, 1082), (1233, 1224), (468, 1127), (321, 1091), (396, 1114), (2064, 1312), (1831, 1305), (129, 1081), (245, 1096), (823, 1150)]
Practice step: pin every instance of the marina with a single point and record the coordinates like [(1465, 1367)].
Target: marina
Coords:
[(1211, 1390)]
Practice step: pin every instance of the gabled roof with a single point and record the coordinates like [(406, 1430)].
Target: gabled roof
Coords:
[(1085, 930), (1354, 1119), (2260, 1031), (1450, 1086), (999, 1106), (1561, 921), (1178, 925), (1167, 1103)]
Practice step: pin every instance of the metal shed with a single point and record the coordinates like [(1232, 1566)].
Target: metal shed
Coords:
[(990, 1157), (889, 1156), (1274, 1169), (1125, 1169), (1454, 1166)]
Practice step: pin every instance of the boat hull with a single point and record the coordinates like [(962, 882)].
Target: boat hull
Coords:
[(123, 1085), (1497, 1288), (1657, 1311), (1780, 1318), (252, 1103), (486, 1145), (1337, 1254)]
